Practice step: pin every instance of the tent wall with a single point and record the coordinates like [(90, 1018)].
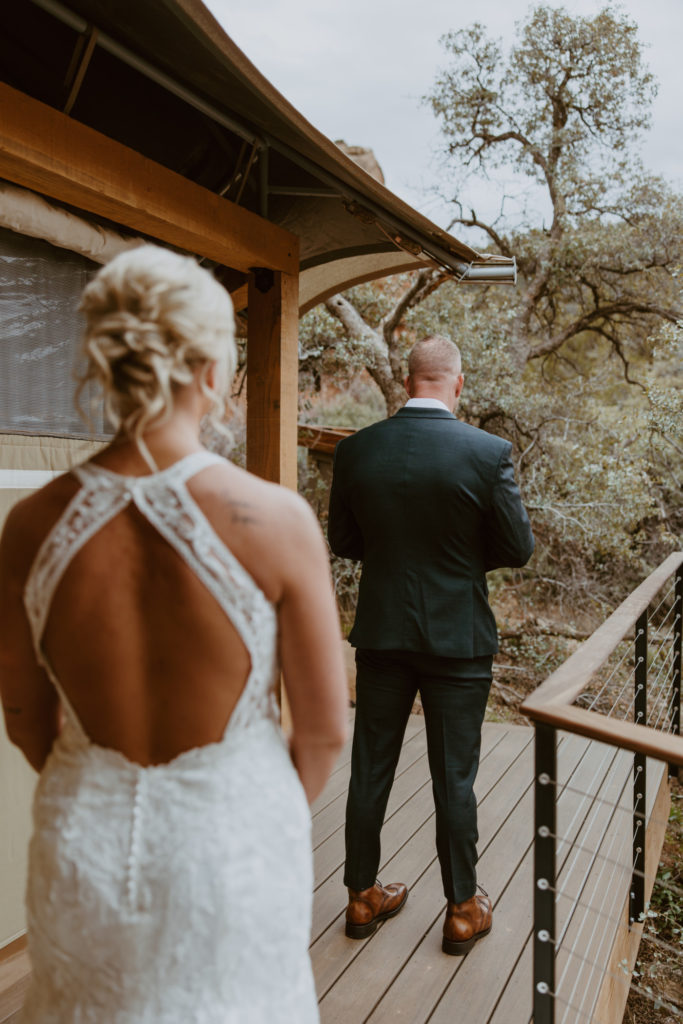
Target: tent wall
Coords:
[(25, 463)]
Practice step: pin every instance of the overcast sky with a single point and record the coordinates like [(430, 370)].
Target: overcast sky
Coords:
[(356, 69)]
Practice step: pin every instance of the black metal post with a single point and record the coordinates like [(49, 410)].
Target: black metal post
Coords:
[(637, 901), (676, 683), (545, 819)]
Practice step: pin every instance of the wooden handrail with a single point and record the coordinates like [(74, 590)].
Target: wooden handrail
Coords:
[(552, 702), (640, 739)]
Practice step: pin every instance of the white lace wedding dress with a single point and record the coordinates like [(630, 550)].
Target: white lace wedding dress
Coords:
[(179, 892)]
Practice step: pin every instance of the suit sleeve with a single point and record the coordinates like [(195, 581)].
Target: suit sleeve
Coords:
[(343, 531), (509, 540)]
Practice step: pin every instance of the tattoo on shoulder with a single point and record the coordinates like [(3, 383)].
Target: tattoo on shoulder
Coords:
[(9, 710), (242, 511)]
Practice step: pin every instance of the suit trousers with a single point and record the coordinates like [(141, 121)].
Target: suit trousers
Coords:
[(454, 692)]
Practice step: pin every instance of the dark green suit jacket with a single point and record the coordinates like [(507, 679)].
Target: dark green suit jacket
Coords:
[(429, 504)]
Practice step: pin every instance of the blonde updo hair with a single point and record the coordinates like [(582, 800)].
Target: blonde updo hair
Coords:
[(153, 319)]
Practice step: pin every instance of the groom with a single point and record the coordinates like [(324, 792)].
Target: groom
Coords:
[(429, 504)]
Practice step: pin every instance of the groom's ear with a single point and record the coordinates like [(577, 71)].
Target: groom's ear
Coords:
[(408, 385)]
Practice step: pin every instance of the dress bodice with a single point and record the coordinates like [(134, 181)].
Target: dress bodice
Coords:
[(166, 503)]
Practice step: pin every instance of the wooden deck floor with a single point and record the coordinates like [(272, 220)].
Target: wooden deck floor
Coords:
[(399, 973)]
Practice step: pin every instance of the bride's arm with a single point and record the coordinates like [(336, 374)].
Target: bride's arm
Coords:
[(29, 701), (311, 652)]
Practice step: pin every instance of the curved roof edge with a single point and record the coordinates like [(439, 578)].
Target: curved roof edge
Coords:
[(285, 128)]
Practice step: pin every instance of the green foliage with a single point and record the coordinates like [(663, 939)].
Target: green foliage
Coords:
[(572, 89), (357, 405), (594, 456), (565, 108), (553, 364), (314, 486)]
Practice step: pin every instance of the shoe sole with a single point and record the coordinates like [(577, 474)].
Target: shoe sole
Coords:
[(361, 931), (461, 948)]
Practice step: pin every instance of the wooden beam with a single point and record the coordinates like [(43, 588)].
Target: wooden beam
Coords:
[(43, 149), (272, 376)]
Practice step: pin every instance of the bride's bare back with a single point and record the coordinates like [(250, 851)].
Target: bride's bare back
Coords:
[(140, 644), (143, 651), (140, 596)]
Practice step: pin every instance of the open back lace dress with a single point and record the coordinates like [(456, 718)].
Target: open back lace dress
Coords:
[(178, 892)]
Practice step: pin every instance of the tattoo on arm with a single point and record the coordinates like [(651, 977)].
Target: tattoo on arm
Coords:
[(241, 511), (12, 710)]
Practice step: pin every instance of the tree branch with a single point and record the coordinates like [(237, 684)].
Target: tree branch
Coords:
[(350, 319), (375, 351), (474, 222), (589, 321), (409, 298)]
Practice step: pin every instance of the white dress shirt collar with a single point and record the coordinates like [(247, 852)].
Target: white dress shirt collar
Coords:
[(426, 403)]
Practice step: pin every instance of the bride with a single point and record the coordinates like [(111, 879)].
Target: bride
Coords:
[(148, 600)]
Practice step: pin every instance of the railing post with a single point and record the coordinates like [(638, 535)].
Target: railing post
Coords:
[(637, 900), (676, 683), (545, 821)]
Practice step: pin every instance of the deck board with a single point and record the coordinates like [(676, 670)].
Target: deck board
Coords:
[(399, 973)]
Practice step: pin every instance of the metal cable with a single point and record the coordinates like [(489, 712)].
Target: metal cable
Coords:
[(577, 902), (598, 912), (626, 977), (671, 886), (628, 653), (589, 906), (655, 940), (601, 800), (610, 753), (610, 712), (655, 637), (627, 684), (667, 710), (651, 687), (658, 643), (593, 855), (671, 590), (670, 1007)]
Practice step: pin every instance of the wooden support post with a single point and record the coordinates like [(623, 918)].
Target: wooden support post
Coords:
[(272, 375), (272, 385)]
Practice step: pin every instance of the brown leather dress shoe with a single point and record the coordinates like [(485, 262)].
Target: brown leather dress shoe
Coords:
[(466, 923), (367, 907)]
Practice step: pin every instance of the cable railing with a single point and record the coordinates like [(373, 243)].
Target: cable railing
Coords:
[(600, 815)]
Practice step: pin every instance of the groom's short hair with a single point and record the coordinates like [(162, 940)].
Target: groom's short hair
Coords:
[(434, 356)]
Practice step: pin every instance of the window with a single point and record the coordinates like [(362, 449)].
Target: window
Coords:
[(40, 339)]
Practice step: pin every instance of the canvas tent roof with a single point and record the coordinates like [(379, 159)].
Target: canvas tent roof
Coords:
[(163, 78)]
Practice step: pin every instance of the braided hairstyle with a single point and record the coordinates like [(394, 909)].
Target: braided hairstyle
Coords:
[(153, 319)]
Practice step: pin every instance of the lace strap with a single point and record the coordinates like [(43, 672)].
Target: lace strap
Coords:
[(192, 464), (81, 519), (90, 473), (179, 519)]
